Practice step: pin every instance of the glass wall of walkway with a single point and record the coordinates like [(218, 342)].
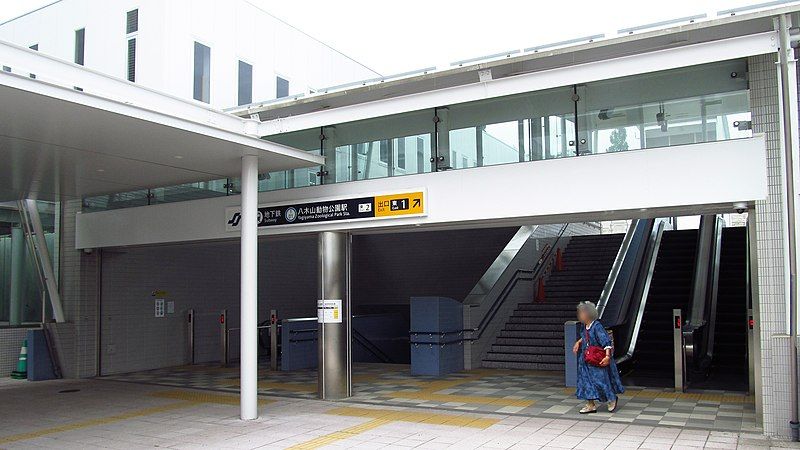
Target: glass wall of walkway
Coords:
[(689, 105)]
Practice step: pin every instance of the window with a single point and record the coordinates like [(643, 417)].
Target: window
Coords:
[(34, 47), (132, 59), (80, 41), (245, 83), (401, 154), (132, 22), (202, 73), (281, 88)]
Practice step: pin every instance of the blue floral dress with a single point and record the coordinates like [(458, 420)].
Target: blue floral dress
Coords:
[(597, 383)]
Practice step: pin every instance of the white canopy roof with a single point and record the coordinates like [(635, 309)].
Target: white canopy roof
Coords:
[(68, 132)]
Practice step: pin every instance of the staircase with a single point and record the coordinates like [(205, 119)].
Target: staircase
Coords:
[(533, 337), (670, 288)]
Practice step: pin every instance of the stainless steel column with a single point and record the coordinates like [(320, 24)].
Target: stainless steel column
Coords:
[(190, 325), (273, 340), (333, 339)]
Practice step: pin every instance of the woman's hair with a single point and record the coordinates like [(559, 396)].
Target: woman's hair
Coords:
[(589, 309)]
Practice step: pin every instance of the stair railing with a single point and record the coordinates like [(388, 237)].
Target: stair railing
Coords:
[(371, 347), (520, 274)]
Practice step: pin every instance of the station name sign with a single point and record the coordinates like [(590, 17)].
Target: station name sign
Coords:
[(371, 207)]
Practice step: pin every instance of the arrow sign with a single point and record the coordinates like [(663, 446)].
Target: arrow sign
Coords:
[(417, 203)]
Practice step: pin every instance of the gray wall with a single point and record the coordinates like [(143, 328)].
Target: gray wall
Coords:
[(388, 269)]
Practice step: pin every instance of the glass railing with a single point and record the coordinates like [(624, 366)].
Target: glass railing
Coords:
[(689, 105)]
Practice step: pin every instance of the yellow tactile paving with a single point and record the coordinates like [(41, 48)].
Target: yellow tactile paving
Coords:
[(94, 422), (341, 435), (189, 398), (379, 417), (430, 391), (395, 415), (204, 397), (423, 395)]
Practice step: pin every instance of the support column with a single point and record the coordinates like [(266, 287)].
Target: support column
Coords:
[(334, 336), (249, 287), (17, 267)]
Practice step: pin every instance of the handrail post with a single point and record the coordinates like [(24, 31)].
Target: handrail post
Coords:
[(223, 330), (273, 340)]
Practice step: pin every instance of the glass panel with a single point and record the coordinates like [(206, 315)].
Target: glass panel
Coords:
[(202, 72), (516, 128), (681, 106), (281, 87), (307, 140), (19, 274), (245, 83), (116, 201), (80, 41), (381, 147), (188, 191)]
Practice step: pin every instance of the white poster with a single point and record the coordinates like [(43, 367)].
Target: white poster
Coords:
[(329, 311)]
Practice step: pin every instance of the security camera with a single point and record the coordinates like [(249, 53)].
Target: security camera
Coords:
[(741, 210)]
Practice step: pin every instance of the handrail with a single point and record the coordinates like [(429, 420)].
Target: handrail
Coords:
[(712, 302), (616, 267), (540, 265), (371, 347), (651, 256)]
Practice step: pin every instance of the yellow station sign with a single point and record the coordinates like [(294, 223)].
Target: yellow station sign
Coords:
[(405, 204)]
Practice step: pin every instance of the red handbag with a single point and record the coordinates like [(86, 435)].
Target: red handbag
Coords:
[(593, 354)]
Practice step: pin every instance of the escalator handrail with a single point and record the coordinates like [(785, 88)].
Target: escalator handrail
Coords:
[(649, 265), (616, 267), (714, 289)]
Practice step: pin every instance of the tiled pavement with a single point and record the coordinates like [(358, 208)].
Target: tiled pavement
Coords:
[(512, 392), (89, 414)]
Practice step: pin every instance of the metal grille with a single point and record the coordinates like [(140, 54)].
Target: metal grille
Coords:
[(131, 59), (132, 24)]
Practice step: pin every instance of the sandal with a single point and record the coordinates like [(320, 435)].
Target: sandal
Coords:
[(588, 410), (612, 406)]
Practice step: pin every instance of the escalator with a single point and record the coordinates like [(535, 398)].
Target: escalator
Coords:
[(703, 273), (671, 287)]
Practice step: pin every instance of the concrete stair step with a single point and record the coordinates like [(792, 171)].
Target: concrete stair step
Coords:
[(529, 341), (523, 366), (528, 350), (527, 334), (513, 357)]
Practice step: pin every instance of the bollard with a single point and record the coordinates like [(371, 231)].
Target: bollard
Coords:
[(273, 340), (223, 329)]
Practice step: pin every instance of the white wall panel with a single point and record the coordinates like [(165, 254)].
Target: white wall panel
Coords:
[(662, 179)]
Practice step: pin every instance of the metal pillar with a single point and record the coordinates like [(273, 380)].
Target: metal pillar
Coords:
[(788, 72), (223, 338), (17, 267), (44, 259), (334, 337), (190, 328), (249, 288)]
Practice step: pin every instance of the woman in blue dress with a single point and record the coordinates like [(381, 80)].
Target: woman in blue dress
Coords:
[(595, 384)]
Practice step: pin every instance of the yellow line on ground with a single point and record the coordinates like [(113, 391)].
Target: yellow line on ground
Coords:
[(430, 396), (204, 397), (94, 422), (341, 435), (379, 417), (396, 415), (189, 398)]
